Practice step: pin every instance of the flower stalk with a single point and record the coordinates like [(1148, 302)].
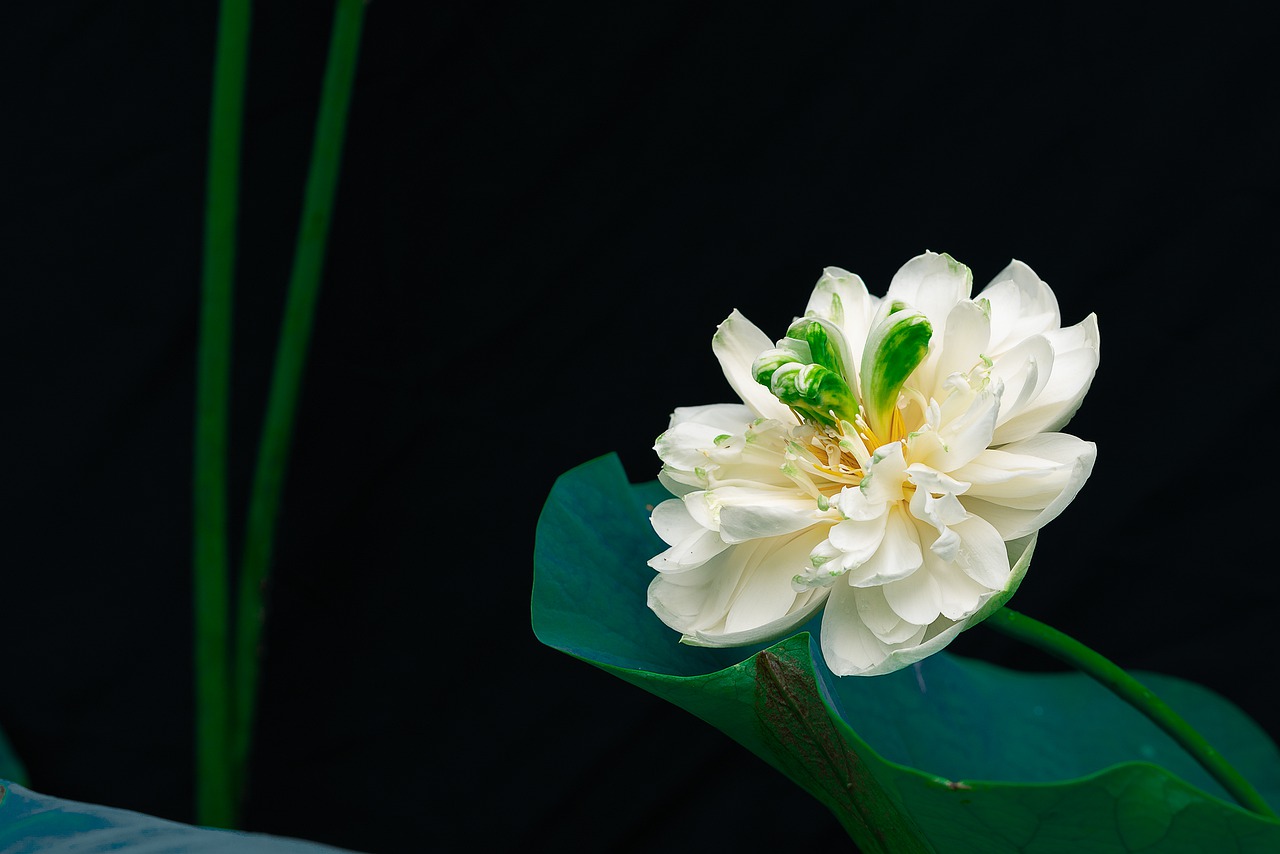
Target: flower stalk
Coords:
[(277, 429), (1112, 676), (226, 688), (214, 797)]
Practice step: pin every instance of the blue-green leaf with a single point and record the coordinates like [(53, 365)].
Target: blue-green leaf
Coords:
[(950, 755), (32, 823)]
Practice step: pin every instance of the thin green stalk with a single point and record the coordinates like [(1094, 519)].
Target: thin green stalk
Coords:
[(1133, 692), (273, 450), (214, 801)]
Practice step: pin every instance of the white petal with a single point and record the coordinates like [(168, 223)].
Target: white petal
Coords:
[(741, 596), (902, 634), (1028, 474), (1023, 486), (849, 647), (680, 483), (937, 637), (960, 437), (691, 544), (945, 547), (939, 634), (687, 443), (672, 521), (877, 616), (688, 601), (1025, 371), (736, 344), (724, 417), (898, 556), (700, 507), (935, 499), (854, 504), (982, 554), (1075, 362), (1021, 305), (960, 594), (806, 605), (858, 540), (933, 284), (842, 297), (916, 598), (747, 513), (884, 477), (695, 550), (765, 594), (963, 344), (824, 567)]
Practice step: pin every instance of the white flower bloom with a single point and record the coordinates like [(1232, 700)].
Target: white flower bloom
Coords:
[(884, 453)]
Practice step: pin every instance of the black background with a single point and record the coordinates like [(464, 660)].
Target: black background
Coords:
[(544, 212)]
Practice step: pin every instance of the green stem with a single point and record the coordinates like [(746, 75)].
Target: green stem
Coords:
[(1133, 692), (277, 429), (214, 801)]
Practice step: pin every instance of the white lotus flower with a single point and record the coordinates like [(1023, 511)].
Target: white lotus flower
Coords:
[(888, 456)]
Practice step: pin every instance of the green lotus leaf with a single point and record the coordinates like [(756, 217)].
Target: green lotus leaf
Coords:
[(31, 823), (949, 755)]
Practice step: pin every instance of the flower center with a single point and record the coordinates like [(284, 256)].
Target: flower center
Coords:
[(847, 421)]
